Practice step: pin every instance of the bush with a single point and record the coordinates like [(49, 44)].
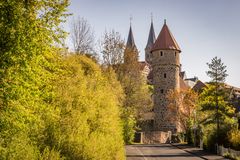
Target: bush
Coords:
[(129, 128), (90, 122), (234, 138), (210, 136)]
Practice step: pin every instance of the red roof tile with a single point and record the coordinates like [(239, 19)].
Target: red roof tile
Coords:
[(165, 40), (183, 85)]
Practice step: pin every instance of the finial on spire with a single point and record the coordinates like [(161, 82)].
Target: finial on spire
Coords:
[(151, 17), (165, 21), (131, 20)]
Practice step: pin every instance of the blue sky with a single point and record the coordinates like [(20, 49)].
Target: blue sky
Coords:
[(203, 28)]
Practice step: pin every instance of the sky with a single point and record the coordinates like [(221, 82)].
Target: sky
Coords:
[(203, 28)]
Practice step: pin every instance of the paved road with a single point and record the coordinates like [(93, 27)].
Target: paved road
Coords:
[(159, 151)]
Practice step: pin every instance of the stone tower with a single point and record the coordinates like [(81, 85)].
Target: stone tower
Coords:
[(165, 66), (150, 42)]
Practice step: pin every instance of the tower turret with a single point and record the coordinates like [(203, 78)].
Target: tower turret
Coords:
[(166, 65), (131, 52), (150, 42), (130, 40)]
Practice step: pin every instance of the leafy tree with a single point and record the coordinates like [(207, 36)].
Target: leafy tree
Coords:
[(137, 95), (112, 49), (52, 106), (184, 103), (207, 115), (29, 31), (89, 125)]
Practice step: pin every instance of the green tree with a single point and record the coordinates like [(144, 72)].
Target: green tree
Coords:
[(29, 31), (208, 116), (218, 73), (89, 117), (52, 106), (137, 94)]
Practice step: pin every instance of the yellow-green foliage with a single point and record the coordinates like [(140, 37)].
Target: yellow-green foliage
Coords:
[(207, 116), (234, 138), (51, 107), (89, 118)]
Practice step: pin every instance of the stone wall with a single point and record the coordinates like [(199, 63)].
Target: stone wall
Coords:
[(166, 68), (148, 57), (155, 137)]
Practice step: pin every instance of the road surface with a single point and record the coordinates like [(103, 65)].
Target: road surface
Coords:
[(158, 152)]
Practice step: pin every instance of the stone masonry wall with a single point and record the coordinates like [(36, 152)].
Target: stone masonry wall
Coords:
[(148, 57), (166, 65)]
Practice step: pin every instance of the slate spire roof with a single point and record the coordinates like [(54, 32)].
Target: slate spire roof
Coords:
[(151, 36), (165, 40), (130, 41)]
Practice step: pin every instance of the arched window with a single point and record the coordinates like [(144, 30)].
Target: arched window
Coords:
[(165, 75), (161, 53)]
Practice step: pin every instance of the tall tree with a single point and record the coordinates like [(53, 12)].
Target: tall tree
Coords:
[(29, 32), (82, 36), (218, 73), (137, 94), (112, 49), (210, 119)]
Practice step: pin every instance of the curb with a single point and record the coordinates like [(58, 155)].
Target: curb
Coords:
[(199, 155), (188, 151)]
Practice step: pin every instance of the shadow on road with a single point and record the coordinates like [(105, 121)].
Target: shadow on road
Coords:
[(162, 155)]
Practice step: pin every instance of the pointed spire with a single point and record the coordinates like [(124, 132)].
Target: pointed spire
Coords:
[(151, 17), (151, 36), (165, 40), (130, 20), (130, 41)]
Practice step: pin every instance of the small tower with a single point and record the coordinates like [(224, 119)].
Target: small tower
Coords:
[(150, 42), (130, 41), (131, 52), (166, 66)]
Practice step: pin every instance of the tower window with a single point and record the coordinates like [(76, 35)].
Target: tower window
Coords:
[(165, 75), (175, 54), (161, 53), (161, 90)]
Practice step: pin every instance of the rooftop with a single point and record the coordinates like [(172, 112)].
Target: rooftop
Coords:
[(165, 40)]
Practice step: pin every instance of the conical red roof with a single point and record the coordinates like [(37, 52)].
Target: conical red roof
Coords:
[(165, 40)]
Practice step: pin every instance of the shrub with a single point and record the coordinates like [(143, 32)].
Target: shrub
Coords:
[(90, 122), (234, 138)]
